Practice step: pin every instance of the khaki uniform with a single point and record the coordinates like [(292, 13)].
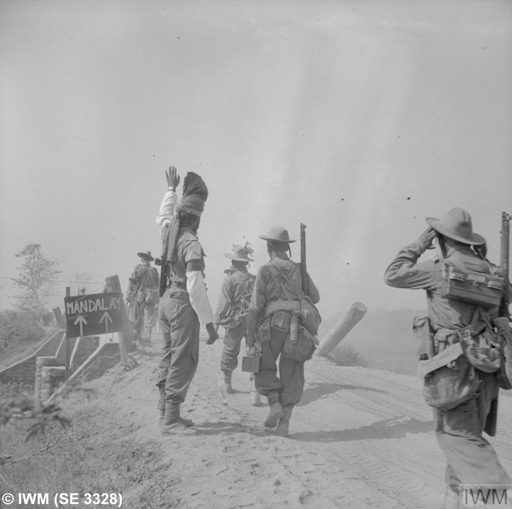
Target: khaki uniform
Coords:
[(179, 323), (143, 315), (471, 458), (288, 383), (232, 314)]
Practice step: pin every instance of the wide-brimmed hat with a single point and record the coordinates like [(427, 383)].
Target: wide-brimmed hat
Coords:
[(456, 225), (146, 255), (240, 253), (278, 234)]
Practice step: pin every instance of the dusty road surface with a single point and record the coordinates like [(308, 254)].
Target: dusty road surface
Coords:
[(360, 438)]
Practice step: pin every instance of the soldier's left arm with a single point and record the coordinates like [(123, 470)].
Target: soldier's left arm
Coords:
[(257, 304)]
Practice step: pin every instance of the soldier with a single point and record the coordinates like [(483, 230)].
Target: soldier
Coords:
[(470, 457), (232, 310), (275, 281), (184, 305), (142, 297)]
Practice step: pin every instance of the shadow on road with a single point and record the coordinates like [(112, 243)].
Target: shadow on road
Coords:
[(216, 428), (323, 389), (389, 428)]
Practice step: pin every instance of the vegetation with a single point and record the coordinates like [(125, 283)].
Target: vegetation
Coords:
[(37, 274), (21, 333), (346, 354)]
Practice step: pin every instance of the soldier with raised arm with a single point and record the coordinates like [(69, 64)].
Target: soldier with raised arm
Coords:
[(184, 306)]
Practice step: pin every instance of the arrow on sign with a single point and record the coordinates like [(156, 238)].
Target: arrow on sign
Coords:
[(83, 322), (106, 317)]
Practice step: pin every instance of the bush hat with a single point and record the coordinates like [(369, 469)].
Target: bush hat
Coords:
[(456, 225), (240, 254), (278, 234), (146, 255)]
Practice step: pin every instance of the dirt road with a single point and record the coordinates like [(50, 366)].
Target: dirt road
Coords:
[(360, 438)]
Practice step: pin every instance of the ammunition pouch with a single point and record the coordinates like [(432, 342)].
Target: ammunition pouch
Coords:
[(303, 348), (281, 321), (424, 337), (263, 330), (448, 378)]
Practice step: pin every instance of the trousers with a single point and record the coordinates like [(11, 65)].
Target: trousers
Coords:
[(180, 329), (146, 319), (289, 383), (471, 458), (232, 341)]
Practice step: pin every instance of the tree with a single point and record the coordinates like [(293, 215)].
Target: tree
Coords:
[(36, 276)]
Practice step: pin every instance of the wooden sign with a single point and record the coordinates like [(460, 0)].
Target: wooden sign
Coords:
[(90, 315)]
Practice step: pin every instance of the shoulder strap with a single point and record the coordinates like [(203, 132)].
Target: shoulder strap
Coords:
[(279, 274)]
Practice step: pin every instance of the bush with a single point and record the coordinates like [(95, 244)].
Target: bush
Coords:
[(19, 327), (347, 355)]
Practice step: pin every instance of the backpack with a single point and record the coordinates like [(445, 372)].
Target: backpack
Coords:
[(309, 315)]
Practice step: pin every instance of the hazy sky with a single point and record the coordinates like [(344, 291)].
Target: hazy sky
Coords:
[(357, 118)]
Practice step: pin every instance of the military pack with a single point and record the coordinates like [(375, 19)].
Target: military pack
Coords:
[(474, 288)]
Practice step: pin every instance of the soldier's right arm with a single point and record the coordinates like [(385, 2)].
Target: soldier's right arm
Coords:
[(405, 272), (166, 211)]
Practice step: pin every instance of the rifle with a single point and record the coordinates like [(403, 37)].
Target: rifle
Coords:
[(303, 268), (163, 261), (504, 261)]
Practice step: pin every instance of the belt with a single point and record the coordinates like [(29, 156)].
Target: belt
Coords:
[(282, 305)]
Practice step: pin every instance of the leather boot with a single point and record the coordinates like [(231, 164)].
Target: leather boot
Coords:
[(276, 411), (284, 423), (173, 423), (226, 381)]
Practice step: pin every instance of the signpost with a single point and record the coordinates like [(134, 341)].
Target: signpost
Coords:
[(89, 315)]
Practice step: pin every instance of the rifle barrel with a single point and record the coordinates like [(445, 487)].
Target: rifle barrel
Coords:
[(504, 259), (304, 274)]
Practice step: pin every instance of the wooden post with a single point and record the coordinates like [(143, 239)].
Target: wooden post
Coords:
[(66, 345), (126, 337), (341, 329), (61, 323)]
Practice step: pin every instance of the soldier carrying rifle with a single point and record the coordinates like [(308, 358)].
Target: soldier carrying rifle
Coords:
[(272, 327), (462, 365), (184, 305)]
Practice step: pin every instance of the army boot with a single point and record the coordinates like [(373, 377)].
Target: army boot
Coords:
[(226, 381), (173, 423), (284, 423), (276, 411)]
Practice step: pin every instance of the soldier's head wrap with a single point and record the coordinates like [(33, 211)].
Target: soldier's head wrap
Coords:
[(195, 194), (192, 204)]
